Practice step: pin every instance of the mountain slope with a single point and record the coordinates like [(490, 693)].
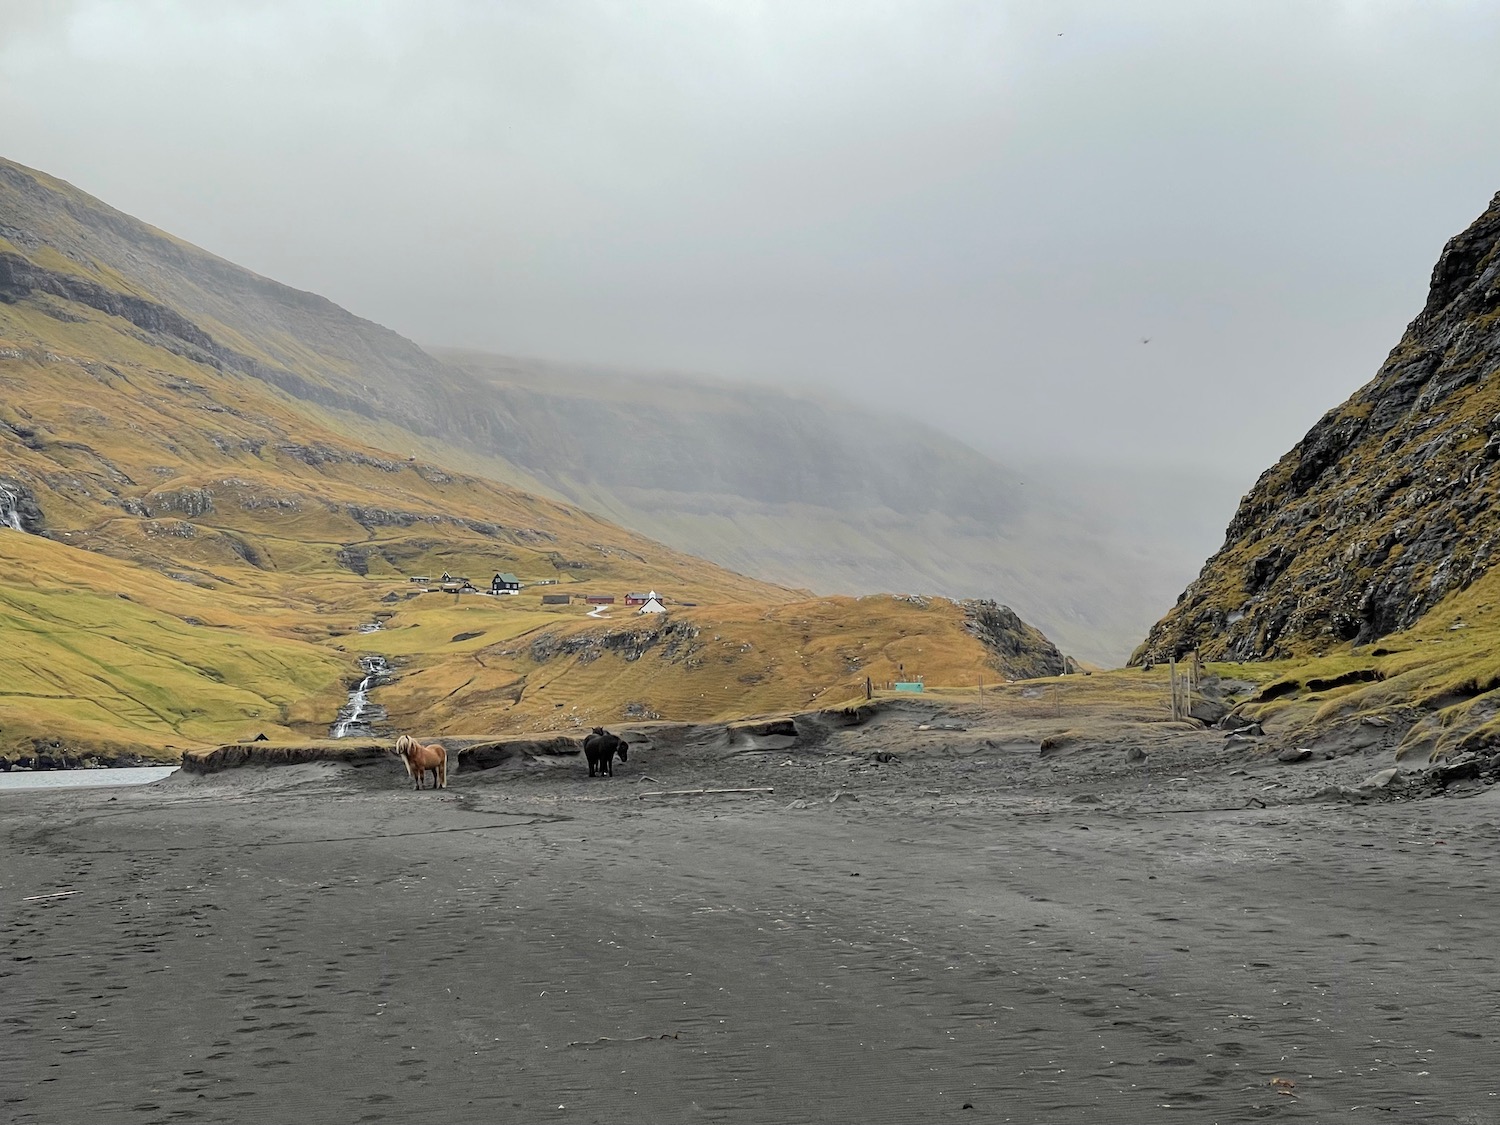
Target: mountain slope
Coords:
[(72, 246), (1364, 559), (1387, 506), (824, 496), (199, 512), (827, 495)]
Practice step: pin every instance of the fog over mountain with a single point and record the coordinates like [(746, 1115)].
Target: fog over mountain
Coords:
[(1000, 200), (1139, 240)]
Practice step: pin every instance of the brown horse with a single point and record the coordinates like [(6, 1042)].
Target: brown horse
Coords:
[(418, 759)]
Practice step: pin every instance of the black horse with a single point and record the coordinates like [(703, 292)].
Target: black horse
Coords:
[(600, 748)]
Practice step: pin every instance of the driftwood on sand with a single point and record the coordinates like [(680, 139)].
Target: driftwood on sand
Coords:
[(702, 792)]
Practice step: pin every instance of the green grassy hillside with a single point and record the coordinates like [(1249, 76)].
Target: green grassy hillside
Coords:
[(207, 520)]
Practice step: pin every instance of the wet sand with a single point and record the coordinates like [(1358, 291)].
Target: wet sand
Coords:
[(978, 935)]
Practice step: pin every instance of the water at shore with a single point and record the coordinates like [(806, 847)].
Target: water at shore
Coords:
[(82, 779)]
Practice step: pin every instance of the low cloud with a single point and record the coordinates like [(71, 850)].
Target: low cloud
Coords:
[(1136, 232)]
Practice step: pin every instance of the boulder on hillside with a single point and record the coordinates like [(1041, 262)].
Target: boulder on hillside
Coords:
[(1016, 649)]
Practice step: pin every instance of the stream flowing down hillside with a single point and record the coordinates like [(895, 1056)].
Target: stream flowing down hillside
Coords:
[(358, 716), (10, 515)]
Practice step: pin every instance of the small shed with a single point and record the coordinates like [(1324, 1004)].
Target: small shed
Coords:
[(556, 599), (505, 583), (600, 599), (652, 606)]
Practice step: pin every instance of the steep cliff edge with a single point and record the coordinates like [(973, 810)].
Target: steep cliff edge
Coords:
[(1388, 506)]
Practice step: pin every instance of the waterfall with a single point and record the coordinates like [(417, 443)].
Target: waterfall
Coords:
[(356, 716), (10, 515)]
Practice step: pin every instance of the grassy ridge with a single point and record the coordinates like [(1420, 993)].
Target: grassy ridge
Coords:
[(541, 670)]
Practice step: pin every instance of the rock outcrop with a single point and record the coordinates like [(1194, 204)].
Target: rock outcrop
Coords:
[(19, 510), (1388, 504), (1016, 649)]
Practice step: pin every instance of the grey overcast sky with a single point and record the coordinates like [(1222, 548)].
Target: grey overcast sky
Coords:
[(974, 212)]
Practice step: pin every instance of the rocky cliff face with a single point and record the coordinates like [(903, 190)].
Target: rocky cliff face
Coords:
[(1389, 503), (1016, 649), (18, 507)]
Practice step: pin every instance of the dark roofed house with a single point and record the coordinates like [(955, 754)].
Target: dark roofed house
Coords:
[(505, 583), (556, 599)]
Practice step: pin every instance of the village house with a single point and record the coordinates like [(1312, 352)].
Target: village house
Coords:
[(505, 583), (600, 599)]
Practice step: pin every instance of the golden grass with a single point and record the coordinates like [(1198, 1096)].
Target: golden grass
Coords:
[(120, 422), (152, 617), (258, 632), (1443, 674), (698, 664), (126, 667)]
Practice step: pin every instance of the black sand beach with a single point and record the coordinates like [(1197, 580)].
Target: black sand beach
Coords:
[(973, 936)]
